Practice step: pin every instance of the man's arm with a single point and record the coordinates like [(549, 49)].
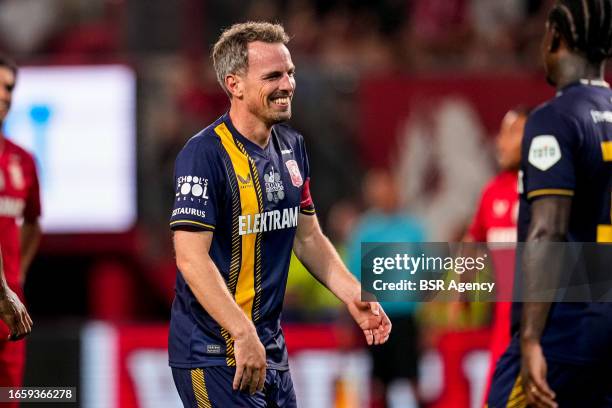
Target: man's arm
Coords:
[(12, 311), (208, 286), (319, 256), (549, 223), (30, 239)]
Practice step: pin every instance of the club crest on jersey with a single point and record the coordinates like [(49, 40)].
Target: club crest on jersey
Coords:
[(275, 191), (192, 188), (294, 172), (544, 152)]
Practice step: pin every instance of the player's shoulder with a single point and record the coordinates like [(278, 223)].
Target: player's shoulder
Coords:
[(555, 117), (499, 183), (206, 142), (19, 151)]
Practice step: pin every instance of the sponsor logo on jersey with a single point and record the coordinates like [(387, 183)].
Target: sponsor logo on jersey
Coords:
[(275, 191), (192, 188), (544, 152), (244, 181), (294, 172), (268, 221), (501, 234), (11, 207), (189, 211), (287, 151), (601, 116), (500, 208)]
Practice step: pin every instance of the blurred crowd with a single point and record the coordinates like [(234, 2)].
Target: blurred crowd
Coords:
[(406, 35)]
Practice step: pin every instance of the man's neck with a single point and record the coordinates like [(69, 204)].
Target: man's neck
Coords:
[(250, 126), (575, 68)]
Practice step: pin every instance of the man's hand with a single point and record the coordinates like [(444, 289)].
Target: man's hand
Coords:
[(533, 376), (250, 363), (372, 319), (15, 315)]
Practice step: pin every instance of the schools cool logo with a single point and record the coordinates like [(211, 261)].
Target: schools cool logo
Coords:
[(274, 186), (191, 187)]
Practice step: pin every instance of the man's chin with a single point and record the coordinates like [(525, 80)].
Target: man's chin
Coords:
[(279, 117)]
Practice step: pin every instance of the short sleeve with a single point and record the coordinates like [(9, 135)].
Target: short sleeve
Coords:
[(197, 184), (32, 208), (306, 204), (548, 151)]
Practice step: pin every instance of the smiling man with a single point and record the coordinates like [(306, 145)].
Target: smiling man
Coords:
[(242, 204)]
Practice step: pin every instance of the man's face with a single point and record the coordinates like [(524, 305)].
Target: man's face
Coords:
[(269, 82), (7, 83), (508, 141)]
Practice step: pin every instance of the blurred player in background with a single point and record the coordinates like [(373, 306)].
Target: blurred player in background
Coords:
[(560, 353), (242, 204), (395, 363), (19, 202), (496, 217)]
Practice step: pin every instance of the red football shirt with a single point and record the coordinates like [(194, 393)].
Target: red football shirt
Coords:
[(19, 199), (495, 221)]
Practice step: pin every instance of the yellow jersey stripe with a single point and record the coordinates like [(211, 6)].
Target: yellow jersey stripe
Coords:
[(604, 233), (230, 359), (606, 150), (199, 388), (201, 224), (517, 396), (245, 287), (550, 191), (258, 266)]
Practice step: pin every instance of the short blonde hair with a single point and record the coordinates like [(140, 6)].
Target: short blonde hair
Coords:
[(230, 52)]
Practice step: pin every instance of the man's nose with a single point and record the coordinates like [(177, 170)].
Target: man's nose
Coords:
[(287, 83)]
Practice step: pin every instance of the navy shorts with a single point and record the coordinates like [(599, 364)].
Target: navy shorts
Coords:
[(575, 385), (211, 387)]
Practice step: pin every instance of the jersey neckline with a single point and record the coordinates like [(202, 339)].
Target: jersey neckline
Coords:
[(250, 146)]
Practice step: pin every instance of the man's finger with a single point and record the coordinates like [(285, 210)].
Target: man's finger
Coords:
[(262, 379), (28, 319), (542, 400), (254, 383), (369, 336), (543, 387), (247, 377), (375, 308), (238, 376), (24, 322)]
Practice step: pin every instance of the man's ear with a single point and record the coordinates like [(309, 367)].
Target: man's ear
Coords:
[(555, 42), (234, 85)]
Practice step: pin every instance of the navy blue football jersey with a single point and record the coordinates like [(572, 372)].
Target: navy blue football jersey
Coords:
[(250, 199), (567, 151)]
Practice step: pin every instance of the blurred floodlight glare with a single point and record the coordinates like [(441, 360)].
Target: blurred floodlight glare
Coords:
[(79, 122)]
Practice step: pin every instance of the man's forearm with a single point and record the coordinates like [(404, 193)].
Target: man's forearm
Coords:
[(542, 264), (322, 260), (211, 291), (30, 239), (3, 285)]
